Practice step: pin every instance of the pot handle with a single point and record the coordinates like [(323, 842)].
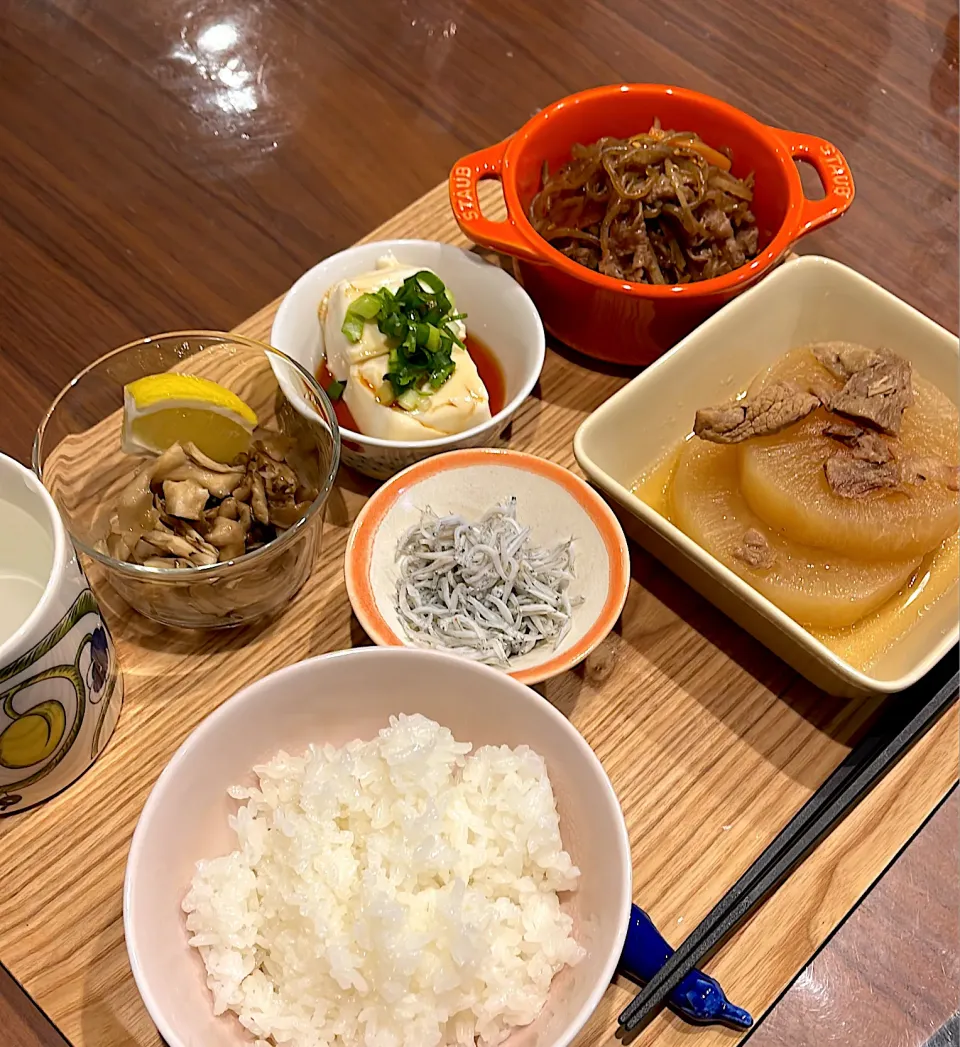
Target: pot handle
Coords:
[(834, 172), (465, 201)]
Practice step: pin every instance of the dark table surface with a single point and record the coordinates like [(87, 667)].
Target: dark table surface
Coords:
[(173, 164)]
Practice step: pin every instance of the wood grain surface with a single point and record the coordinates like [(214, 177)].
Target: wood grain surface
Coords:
[(176, 165), (711, 743)]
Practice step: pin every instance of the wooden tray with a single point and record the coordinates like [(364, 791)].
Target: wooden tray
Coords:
[(711, 743)]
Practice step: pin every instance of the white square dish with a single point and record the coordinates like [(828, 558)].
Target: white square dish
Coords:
[(807, 300)]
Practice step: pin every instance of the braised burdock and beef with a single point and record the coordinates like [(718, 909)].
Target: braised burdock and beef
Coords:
[(660, 207)]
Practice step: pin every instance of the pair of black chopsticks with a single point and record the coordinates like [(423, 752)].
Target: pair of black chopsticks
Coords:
[(906, 719)]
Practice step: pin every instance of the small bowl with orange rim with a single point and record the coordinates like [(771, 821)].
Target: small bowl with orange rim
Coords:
[(496, 555)]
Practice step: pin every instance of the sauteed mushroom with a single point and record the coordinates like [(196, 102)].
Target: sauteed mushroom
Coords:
[(185, 498), (185, 509), (228, 536)]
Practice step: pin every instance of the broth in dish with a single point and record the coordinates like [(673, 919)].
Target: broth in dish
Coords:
[(830, 486)]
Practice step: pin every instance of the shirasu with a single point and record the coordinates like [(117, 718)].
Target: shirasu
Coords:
[(483, 590)]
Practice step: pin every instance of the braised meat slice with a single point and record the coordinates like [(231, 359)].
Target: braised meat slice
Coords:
[(865, 446), (877, 389), (875, 450), (868, 464), (843, 359), (754, 550), (851, 477), (774, 407)]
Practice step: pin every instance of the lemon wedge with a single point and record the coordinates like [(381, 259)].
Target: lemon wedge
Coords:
[(163, 409)]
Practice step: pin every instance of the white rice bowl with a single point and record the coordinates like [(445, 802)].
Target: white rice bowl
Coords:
[(401, 892)]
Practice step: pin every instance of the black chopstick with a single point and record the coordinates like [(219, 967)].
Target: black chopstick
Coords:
[(892, 735)]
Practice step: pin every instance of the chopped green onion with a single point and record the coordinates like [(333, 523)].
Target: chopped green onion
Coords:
[(367, 306), (409, 400), (335, 390), (442, 374), (394, 326), (416, 320), (430, 282), (352, 327)]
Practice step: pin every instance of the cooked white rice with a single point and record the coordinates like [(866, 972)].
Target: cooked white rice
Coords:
[(401, 892)]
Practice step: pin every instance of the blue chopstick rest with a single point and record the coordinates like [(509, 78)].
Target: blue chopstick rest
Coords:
[(698, 997)]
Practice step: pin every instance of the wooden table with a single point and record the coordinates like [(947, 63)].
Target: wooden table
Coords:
[(179, 164)]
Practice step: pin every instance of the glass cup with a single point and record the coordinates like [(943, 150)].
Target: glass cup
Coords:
[(77, 454)]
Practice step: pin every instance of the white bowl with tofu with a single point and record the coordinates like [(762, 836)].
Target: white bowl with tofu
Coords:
[(417, 365)]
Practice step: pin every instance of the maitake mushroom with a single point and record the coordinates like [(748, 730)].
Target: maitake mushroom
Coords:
[(184, 509)]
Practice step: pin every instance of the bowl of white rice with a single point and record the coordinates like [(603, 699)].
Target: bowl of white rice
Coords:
[(383, 847)]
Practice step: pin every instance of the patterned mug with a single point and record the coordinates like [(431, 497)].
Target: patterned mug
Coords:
[(60, 684)]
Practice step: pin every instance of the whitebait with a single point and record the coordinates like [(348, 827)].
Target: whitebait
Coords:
[(483, 590)]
